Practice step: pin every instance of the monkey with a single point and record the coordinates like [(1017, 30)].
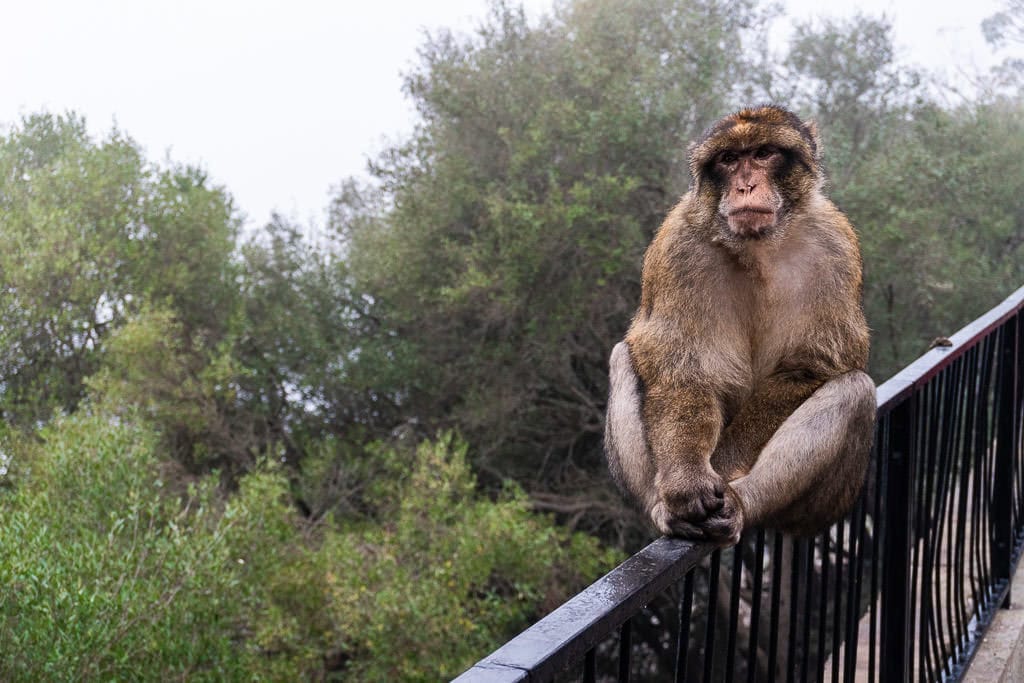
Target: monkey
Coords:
[(739, 397)]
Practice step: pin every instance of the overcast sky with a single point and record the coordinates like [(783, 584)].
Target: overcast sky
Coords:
[(281, 100)]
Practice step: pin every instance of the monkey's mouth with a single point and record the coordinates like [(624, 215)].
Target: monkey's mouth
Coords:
[(751, 222)]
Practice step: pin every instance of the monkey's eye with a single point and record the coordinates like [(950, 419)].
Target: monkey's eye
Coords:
[(762, 153), (728, 158)]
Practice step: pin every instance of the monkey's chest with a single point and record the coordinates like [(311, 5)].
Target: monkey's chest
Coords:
[(772, 342), (778, 320)]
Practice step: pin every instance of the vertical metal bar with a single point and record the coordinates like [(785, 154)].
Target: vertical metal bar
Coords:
[(942, 427), (625, 650), (734, 610), (837, 603), (977, 451), (950, 430), (755, 607), (947, 422), (683, 641), (1014, 474), (709, 636), (970, 465), (819, 660), (926, 530), (897, 619), (1018, 470), (805, 640), (986, 480), (955, 550), (590, 666), (857, 555), (982, 482), (1002, 493), (881, 457), (945, 419), (1018, 442), (794, 612), (774, 616)]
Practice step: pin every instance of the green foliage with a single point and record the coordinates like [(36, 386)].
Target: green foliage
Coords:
[(500, 246), (90, 231), (447, 574), (1006, 29), (934, 191), (151, 366), (844, 74), (117, 567), (108, 575), (300, 324), (941, 225)]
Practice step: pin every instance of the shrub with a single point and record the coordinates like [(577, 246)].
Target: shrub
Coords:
[(117, 565)]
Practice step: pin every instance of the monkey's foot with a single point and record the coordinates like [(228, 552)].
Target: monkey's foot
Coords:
[(717, 518)]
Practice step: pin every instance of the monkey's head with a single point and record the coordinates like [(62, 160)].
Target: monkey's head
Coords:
[(754, 167)]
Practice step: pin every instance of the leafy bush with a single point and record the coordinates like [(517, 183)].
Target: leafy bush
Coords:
[(448, 575), (100, 576), (114, 569)]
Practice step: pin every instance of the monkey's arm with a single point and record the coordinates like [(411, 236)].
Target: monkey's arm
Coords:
[(684, 423), (808, 469), (659, 448)]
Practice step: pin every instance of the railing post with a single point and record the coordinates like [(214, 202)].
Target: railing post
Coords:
[(897, 620), (1005, 462)]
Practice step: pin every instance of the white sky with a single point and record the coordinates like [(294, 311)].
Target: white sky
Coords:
[(279, 100)]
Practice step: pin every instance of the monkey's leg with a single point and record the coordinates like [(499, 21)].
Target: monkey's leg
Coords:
[(625, 443), (758, 418), (812, 469)]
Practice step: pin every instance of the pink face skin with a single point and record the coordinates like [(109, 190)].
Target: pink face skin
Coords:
[(750, 203)]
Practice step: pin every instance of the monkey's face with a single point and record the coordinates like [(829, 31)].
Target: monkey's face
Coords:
[(750, 202), (753, 169)]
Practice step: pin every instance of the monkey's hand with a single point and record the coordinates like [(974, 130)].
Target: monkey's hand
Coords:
[(698, 507)]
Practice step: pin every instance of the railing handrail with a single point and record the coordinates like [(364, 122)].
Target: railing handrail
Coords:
[(563, 636), (899, 386)]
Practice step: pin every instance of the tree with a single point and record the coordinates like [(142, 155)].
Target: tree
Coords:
[(89, 232), (1004, 28), (941, 225), (501, 246), (844, 73), (179, 579)]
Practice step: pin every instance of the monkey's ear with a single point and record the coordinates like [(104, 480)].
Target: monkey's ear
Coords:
[(691, 151), (812, 129)]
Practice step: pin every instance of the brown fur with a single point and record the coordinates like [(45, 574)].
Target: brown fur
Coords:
[(744, 361)]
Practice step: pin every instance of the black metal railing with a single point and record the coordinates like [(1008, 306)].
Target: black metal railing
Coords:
[(900, 590)]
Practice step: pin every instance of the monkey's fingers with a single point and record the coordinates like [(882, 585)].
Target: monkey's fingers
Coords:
[(695, 502), (721, 531), (722, 528)]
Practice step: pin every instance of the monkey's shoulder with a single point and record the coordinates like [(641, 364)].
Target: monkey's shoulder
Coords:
[(680, 267), (683, 233), (831, 229)]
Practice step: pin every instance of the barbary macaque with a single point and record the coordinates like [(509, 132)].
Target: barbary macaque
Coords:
[(738, 397)]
